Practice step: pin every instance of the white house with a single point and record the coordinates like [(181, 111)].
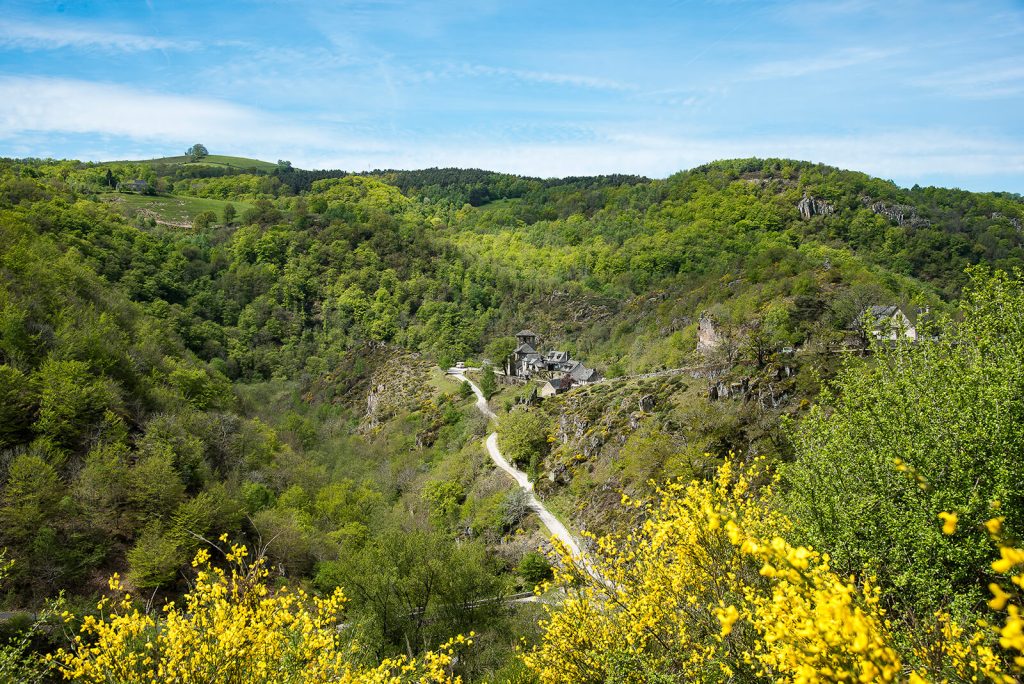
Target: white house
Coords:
[(887, 323)]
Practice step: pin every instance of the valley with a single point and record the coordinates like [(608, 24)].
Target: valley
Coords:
[(748, 382)]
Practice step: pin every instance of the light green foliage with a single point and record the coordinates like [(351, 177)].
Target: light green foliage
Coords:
[(444, 498), (71, 400), (201, 388), (30, 498), (499, 349), (921, 429), (522, 436), (155, 559)]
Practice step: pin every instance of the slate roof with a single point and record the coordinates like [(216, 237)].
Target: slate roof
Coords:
[(526, 333), (882, 311), (878, 313), (525, 349), (559, 384), (557, 356), (581, 373)]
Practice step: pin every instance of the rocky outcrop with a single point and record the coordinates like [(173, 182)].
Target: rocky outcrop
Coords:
[(398, 384), (814, 206), (900, 214), (1014, 221), (709, 337)]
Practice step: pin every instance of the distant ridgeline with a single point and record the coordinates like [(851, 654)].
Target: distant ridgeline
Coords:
[(472, 186)]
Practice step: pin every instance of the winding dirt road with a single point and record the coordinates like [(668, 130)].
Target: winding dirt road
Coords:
[(554, 525)]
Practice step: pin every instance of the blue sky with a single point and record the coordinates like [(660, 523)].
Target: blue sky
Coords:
[(927, 92)]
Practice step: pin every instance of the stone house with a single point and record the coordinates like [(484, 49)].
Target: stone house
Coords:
[(556, 386), (886, 323)]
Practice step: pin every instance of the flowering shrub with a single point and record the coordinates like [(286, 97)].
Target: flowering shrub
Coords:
[(233, 628), (708, 589)]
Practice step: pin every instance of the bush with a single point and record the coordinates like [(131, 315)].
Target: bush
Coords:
[(534, 568)]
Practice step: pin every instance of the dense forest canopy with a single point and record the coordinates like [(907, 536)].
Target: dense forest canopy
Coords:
[(253, 350)]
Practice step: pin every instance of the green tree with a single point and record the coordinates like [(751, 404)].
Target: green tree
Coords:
[(203, 220), (522, 436), (17, 404), (197, 152), (534, 568), (155, 559), (488, 382), (229, 214), (499, 349), (72, 400), (30, 498)]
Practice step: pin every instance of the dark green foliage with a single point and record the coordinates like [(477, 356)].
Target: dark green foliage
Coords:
[(488, 382), (534, 568)]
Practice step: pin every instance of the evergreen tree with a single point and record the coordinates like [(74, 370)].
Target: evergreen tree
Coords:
[(488, 383)]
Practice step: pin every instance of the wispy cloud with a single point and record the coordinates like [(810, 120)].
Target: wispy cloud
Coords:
[(543, 77), (842, 59), (31, 36), (996, 79)]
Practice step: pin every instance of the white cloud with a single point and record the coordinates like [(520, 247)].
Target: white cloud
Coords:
[(842, 59), (985, 80), (83, 107), (30, 36)]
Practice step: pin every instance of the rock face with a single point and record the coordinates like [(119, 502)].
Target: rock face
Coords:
[(709, 337), (900, 214), (398, 383), (1014, 221), (814, 206)]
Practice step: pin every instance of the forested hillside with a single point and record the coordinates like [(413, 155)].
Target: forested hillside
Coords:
[(256, 351)]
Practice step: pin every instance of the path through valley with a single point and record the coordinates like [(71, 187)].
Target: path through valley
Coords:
[(553, 524)]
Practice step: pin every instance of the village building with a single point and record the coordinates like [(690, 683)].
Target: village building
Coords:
[(556, 386), (527, 362), (887, 323)]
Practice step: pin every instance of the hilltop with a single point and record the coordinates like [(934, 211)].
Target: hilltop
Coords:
[(213, 160)]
